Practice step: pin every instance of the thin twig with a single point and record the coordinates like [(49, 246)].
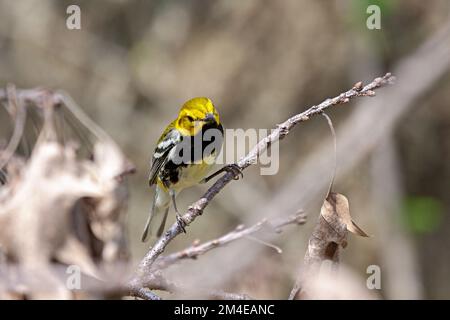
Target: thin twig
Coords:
[(155, 281), (18, 112), (333, 134), (265, 243), (47, 99), (42, 98), (297, 218), (196, 250)]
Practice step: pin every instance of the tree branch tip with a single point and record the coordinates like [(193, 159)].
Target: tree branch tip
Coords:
[(300, 219), (358, 86), (300, 215), (389, 78)]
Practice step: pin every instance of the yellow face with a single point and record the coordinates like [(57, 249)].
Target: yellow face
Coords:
[(194, 114)]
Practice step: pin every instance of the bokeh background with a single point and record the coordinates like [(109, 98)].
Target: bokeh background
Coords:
[(133, 64)]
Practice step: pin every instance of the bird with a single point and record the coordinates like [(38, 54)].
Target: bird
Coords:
[(183, 157)]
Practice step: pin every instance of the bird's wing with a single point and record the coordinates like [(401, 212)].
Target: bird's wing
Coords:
[(169, 139)]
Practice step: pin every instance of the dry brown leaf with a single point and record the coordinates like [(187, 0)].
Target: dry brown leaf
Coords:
[(336, 211)]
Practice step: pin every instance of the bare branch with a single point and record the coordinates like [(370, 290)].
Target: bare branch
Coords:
[(18, 113), (145, 294), (47, 99), (196, 249), (281, 131), (154, 280), (157, 282)]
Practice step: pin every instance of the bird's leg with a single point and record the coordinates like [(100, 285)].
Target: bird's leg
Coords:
[(180, 221), (233, 168)]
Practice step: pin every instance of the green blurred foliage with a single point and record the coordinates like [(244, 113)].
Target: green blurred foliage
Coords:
[(422, 214), (358, 17), (359, 8)]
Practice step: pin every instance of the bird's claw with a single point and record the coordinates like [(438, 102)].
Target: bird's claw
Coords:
[(235, 170)]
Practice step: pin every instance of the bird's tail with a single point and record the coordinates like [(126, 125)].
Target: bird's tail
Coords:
[(158, 214)]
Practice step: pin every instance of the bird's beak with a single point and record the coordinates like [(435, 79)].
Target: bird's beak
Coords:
[(210, 118)]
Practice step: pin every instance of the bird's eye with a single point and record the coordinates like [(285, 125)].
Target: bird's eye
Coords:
[(190, 118)]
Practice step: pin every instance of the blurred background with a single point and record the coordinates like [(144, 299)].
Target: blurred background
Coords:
[(134, 63)]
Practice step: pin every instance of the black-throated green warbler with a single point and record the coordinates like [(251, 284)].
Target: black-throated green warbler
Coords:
[(183, 157)]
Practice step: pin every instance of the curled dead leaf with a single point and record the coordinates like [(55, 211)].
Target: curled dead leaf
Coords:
[(336, 211)]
